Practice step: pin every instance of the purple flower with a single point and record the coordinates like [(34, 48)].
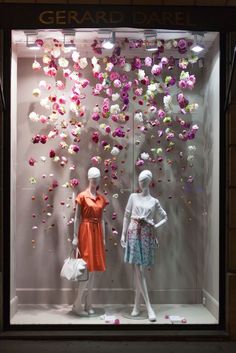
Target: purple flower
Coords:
[(139, 162), (95, 116), (95, 137), (74, 182), (182, 46), (156, 70)]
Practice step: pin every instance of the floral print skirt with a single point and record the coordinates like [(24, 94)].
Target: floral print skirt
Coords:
[(140, 245)]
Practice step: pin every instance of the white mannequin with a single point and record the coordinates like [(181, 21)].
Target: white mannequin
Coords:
[(140, 206), (94, 177)]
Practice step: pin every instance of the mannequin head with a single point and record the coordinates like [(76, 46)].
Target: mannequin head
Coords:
[(94, 176), (144, 179)]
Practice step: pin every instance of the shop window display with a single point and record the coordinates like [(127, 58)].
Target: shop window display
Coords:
[(143, 115)]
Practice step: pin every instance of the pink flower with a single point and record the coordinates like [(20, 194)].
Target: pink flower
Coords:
[(106, 105), (55, 184), (74, 182), (148, 61), (156, 70), (108, 129), (182, 84), (66, 72), (117, 83), (138, 91), (182, 46), (84, 83), (114, 75), (139, 162), (62, 100), (43, 119), (164, 61), (60, 85)]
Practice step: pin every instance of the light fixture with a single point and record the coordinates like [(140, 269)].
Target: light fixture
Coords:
[(31, 37), (69, 36), (109, 43), (150, 40), (197, 46)]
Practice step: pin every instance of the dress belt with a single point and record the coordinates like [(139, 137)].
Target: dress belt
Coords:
[(91, 220)]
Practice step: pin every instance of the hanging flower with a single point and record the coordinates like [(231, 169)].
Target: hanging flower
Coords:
[(127, 67), (138, 117), (170, 81), (183, 63), (145, 156), (32, 162), (36, 92), (75, 56), (60, 85), (74, 182), (63, 62), (115, 151), (36, 65), (96, 160), (115, 109), (148, 61), (182, 46), (156, 70), (167, 100), (139, 162), (83, 63), (43, 119), (73, 149), (141, 74), (34, 117), (50, 71), (95, 136)]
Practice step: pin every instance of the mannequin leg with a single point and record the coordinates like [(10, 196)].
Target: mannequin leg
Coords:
[(88, 300), (141, 281), (136, 308), (77, 306)]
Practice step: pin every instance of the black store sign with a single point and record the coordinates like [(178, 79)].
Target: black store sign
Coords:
[(68, 16)]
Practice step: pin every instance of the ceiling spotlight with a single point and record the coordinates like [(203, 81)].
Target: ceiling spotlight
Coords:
[(31, 37), (69, 36), (197, 46), (109, 43)]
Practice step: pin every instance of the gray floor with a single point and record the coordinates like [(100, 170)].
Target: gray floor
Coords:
[(115, 347), (62, 314)]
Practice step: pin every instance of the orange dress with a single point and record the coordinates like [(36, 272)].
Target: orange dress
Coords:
[(90, 234)]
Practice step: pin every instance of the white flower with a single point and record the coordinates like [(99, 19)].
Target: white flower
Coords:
[(36, 92), (94, 60), (115, 109), (168, 45), (152, 87), (63, 62), (46, 59), (115, 151), (56, 53), (53, 117), (51, 134), (138, 117), (127, 67), (43, 84), (96, 68), (144, 156), (74, 76), (115, 96), (83, 63), (43, 158), (56, 159), (34, 116), (141, 74), (152, 109), (75, 56), (190, 158), (45, 103), (167, 100), (192, 148)]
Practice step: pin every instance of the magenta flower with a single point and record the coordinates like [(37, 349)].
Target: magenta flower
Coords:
[(117, 83), (52, 154), (95, 116), (114, 75), (182, 46), (118, 132), (95, 137), (161, 114), (32, 162), (139, 162), (74, 182), (43, 139), (136, 64), (55, 184), (106, 105)]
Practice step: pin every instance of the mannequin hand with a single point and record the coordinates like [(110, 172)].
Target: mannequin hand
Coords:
[(156, 242), (122, 241), (74, 243)]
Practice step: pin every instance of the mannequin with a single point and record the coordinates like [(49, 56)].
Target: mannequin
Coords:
[(89, 237), (139, 239)]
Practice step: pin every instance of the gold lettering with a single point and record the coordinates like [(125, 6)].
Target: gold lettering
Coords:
[(139, 18), (116, 17), (87, 17), (168, 18), (61, 17), (72, 17), (180, 18), (46, 17), (154, 18), (101, 17)]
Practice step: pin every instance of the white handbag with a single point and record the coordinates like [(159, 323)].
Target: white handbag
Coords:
[(74, 269)]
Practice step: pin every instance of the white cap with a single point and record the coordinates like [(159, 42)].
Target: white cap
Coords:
[(93, 173), (145, 174)]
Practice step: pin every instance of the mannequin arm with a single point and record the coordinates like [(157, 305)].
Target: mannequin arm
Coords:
[(103, 232), (124, 230), (163, 214), (76, 225)]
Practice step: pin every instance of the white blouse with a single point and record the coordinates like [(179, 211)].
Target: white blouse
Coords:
[(145, 207)]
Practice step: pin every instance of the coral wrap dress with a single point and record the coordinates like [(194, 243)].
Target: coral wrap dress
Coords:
[(90, 233)]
